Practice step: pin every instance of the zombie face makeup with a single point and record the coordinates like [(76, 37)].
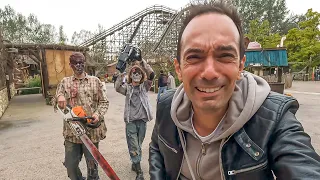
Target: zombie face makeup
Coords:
[(77, 66), (77, 61), (136, 75)]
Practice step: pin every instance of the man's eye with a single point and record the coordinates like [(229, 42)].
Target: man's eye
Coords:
[(193, 56), (227, 55)]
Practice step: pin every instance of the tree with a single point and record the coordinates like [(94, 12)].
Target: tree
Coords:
[(83, 35), (13, 24), (261, 33), (303, 43), (292, 21), (38, 32), (275, 11), (19, 29), (62, 36), (97, 52)]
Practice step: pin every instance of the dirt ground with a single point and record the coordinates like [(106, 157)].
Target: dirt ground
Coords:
[(31, 141)]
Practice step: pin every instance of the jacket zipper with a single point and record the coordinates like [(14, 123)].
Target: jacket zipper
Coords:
[(201, 154), (180, 169), (184, 139), (234, 172), (172, 149), (220, 159)]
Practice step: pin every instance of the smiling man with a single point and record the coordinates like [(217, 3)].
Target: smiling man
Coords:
[(223, 122)]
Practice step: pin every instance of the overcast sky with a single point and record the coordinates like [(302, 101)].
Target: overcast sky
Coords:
[(75, 15)]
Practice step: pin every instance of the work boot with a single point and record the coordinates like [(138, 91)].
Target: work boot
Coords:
[(133, 167), (139, 172)]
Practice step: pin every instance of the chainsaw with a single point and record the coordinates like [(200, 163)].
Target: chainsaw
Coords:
[(78, 122)]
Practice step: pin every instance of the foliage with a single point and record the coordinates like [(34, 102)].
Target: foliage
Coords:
[(177, 81), (31, 82), (261, 33), (79, 37), (20, 29), (303, 43), (98, 51), (274, 11), (292, 21), (62, 36)]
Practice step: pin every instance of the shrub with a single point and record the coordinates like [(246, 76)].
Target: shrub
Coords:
[(31, 82)]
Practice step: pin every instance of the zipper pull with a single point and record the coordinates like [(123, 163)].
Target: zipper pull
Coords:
[(203, 149), (230, 173)]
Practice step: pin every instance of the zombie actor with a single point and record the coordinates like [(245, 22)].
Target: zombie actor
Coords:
[(137, 109), (80, 89)]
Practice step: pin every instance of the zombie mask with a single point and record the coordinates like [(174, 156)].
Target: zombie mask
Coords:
[(136, 75)]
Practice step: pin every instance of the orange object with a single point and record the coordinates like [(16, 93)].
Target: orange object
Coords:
[(78, 111)]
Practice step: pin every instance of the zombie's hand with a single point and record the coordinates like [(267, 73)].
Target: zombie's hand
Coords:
[(148, 69), (62, 102), (122, 75), (143, 63), (96, 118)]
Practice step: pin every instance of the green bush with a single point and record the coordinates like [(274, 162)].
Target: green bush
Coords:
[(34, 81), (177, 82)]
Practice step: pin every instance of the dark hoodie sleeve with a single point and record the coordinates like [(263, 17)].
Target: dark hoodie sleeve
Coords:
[(291, 153)]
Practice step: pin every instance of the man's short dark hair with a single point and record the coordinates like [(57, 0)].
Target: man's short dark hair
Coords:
[(77, 56), (161, 71), (219, 7)]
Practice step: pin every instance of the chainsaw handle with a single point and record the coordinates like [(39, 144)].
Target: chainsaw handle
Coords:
[(93, 126), (84, 120)]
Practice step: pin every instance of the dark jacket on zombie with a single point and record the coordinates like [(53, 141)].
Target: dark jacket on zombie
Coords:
[(258, 134), (162, 81)]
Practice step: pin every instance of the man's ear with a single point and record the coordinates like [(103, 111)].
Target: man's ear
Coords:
[(177, 69), (241, 66)]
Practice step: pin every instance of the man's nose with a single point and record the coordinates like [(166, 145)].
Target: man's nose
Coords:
[(210, 67)]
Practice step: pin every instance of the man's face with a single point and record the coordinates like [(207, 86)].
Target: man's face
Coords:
[(210, 64), (77, 66)]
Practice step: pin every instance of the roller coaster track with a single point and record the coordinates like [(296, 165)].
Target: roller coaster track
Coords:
[(154, 30), (156, 9)]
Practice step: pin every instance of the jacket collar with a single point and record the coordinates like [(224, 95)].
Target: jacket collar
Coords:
[(248, 145)]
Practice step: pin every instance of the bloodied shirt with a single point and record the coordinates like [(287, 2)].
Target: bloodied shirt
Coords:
[(89, 93)]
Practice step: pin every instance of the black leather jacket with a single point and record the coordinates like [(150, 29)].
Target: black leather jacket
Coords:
[(273, 140)]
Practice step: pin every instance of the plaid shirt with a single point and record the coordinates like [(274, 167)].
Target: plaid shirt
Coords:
[(89, 93)]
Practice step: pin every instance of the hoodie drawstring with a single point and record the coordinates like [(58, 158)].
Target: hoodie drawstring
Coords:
[(185, 153)]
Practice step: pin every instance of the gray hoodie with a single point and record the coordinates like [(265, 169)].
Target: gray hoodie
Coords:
[(202, 158)]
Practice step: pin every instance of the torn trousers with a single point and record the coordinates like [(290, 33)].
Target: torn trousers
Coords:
[(73, 156), (135, 133)]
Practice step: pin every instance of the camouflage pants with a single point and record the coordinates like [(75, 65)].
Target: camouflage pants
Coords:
[(73, 156)]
